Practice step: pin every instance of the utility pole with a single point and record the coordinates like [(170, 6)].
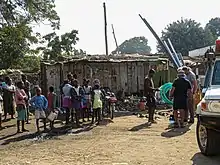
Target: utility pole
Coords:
[(116, 43), (106, 35)]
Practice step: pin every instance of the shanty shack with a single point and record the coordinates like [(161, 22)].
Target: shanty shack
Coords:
[(121, 73)]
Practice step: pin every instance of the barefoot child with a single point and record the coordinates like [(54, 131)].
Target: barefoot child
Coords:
[(96, 103), (51, 97), (86, 99), (20, 99), (40, 104)]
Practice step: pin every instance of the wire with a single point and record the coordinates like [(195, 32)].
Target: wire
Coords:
[(164, 92)]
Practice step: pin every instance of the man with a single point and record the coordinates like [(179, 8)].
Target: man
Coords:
[(149, 93), (27, 91), (192, 79), (180, 89)]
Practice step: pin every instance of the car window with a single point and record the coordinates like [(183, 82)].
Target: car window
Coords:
[(216, 74)]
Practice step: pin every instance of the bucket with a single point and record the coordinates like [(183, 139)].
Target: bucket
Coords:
[(53, 115), (141, 106)]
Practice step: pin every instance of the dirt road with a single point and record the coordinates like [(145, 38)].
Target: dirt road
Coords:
[(126, 141)]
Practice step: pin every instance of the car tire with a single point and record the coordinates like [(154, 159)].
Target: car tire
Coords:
[(207, 139)]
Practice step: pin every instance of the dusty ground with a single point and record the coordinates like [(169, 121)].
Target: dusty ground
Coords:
[(126, 141)]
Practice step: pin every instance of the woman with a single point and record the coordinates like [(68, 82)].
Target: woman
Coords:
[(8, 98), (21, 98), (180, 91)]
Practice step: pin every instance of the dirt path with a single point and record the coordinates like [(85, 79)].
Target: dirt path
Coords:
[(127, 141)]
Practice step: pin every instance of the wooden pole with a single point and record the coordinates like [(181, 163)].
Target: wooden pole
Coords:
[(116, 43), (106, 36)]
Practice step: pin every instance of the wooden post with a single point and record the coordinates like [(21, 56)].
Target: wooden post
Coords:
[(106, 36), (116, 43)]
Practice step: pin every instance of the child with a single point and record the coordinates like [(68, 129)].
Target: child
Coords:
[(76, 96), (96, 102), (40, 104), (66, 99), (20, 99), (51, 97), (86, 99)]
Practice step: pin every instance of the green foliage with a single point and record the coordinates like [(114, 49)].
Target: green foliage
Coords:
[(134, 45), (59, 45), (29, 63), (186, 35), (214, 26), (15, 43), (20, 11), (16, 35)]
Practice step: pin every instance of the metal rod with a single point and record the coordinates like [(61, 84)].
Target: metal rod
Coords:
[(106, 35), (171, 55), (180, 63), (159, 40), (116, 43)]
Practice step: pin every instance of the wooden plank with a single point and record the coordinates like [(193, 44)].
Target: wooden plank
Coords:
[(134, 78), (129, 75), (141, 75)]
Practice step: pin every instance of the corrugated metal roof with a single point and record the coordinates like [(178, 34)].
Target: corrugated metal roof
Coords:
[(112, 59), (200, 52)]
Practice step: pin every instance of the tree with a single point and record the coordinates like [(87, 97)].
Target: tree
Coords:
[(15, 43), (214, 26), (186, 35), (25, 11), (59, 45), (16, 35), (134, 45), (30, 63)]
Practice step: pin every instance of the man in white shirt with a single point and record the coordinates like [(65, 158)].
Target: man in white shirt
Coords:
[(192, 79)]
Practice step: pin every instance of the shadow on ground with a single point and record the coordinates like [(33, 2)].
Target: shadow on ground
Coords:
[(58, 131), (199, 159), (34, 136), (12, 137), (140, 127), (175, 132)]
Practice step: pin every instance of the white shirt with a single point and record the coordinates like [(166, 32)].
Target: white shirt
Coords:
[(87, 89), (77, 90), (66, 89)]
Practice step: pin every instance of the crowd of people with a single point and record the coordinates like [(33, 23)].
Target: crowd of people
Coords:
[(79, 102), (183, 92)]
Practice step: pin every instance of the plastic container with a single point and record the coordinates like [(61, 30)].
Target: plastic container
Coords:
[(53, 115), (171, 119), (141, 106)]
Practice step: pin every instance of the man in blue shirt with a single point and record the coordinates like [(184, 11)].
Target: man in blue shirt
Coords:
[(40, 104)]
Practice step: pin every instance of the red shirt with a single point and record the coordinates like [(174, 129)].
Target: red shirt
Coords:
[(50, 100)]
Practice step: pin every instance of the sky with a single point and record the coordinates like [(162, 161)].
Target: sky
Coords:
[(87, 17)]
